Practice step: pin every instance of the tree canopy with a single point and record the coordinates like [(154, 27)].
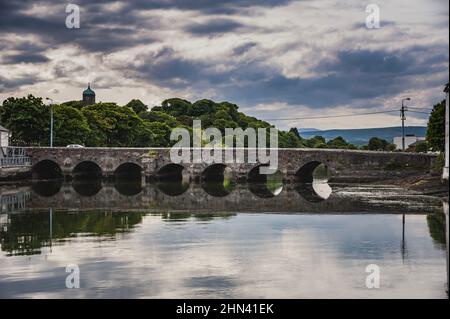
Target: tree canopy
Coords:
[(436, 128), (380, 144), (135, 125), (28, 120), (137, 106)]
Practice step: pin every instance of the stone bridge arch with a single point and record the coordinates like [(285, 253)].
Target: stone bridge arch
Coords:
[(305, 174), (46, 169), (129, 170), (87, 169), (172, 172)]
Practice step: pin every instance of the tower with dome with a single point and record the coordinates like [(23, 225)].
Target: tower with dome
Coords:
[(88, 96)]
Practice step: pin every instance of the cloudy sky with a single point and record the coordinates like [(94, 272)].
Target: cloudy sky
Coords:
[(274, 58)]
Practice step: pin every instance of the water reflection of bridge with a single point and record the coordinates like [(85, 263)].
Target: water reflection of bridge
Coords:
[(11, 201), (248, 197), (104, 209)]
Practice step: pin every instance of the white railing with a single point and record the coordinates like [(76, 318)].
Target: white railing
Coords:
[(14, 156), (15, 161), (13, 202)]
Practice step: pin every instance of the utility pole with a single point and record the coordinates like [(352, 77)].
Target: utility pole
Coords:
[(445, 173), (51, 121), (403, 117)]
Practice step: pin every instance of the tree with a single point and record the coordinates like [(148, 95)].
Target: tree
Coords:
[(436, 128), (137, 106), (76, 104), (70, 126), (315, 141), (111, 125), (28, 119), (161, 134), (380, 144), (294, 131), (421, 147), (231, 109), (145, 136), (288, 140), (293, 140), (338, 143), (157, 116), (391, 147), (176, 107), (377, 144), (202, 107)]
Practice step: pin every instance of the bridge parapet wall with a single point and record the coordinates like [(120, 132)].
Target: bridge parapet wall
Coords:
[(343, 164)]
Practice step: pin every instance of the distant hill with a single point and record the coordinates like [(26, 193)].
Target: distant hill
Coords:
[(301, 130), (362, 136)]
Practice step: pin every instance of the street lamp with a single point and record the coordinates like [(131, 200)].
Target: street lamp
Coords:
[(403, 117), (51, 121)]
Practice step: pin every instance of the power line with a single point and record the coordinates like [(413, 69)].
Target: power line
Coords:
[(419, 112), (419, 108), (329, 116)]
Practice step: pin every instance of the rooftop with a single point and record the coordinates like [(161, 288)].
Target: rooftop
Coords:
[(88, 91)]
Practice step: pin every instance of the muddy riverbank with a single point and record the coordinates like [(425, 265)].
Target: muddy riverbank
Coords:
[(426, 184)]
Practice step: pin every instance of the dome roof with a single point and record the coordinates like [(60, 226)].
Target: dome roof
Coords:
[(88, 91)]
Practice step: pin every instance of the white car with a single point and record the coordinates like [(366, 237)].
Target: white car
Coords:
[(75, 146)]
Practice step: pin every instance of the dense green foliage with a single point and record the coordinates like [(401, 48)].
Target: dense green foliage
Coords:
[(379, 144), (112, 125), (421, 147), (76, 104), (136, 125), (27, 118), (436, 128), (36, 228), (70, 127), (137, 106)]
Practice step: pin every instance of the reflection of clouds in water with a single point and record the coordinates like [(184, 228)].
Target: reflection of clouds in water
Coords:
[(277, 190), (322, 189), (247, 256)]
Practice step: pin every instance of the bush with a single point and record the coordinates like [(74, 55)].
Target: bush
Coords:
[(438, 164), (421, 147)]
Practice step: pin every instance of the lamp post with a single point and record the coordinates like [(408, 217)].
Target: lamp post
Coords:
[(403, 117), (445, 173), (51, 121)]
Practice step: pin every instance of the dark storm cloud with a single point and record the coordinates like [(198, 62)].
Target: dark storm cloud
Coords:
[(213, 27), (66, 68), (26, 52), (99, 31), (102, 31), (243, 48), (205, 6), (24, 58), (358, 74), (368, 62), (7, 84), (167, 69)]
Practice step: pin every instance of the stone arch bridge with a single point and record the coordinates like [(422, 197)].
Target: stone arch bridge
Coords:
[(293, 164)]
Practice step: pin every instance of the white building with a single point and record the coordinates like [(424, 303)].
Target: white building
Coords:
[(4, 137), (409, 139)]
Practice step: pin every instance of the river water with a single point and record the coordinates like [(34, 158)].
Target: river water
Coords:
[(130, 240)]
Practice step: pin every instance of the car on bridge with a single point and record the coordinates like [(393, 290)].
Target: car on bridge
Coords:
[(75, 146)]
